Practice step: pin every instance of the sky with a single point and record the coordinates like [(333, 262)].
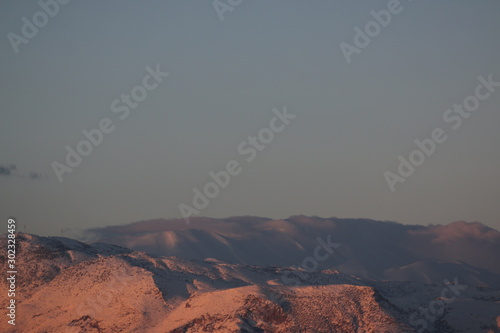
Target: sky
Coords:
[(310, 110)]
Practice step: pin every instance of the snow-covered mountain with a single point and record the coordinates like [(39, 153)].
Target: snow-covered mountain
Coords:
[(68, 286), (372, 249)]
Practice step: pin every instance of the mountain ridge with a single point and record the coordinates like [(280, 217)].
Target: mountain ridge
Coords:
[(372, 249), (69, 286)]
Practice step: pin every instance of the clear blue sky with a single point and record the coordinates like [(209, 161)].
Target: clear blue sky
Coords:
[(352, 120)]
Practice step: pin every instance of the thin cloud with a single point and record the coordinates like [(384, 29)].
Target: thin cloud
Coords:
[(12, 171), (8, 170), (35, 175)]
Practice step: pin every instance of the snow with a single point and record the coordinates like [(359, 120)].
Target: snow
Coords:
[(69, 286)]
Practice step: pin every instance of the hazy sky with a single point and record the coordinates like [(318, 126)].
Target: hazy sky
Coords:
[(226, 76)]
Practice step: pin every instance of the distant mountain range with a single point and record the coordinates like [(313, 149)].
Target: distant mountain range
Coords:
[(248, 274), (371, 249)]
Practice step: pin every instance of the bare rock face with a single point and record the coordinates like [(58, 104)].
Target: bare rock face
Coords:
[(68, 286)]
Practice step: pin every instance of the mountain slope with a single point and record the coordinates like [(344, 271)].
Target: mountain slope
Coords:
[(69, 286), (373, 249)]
